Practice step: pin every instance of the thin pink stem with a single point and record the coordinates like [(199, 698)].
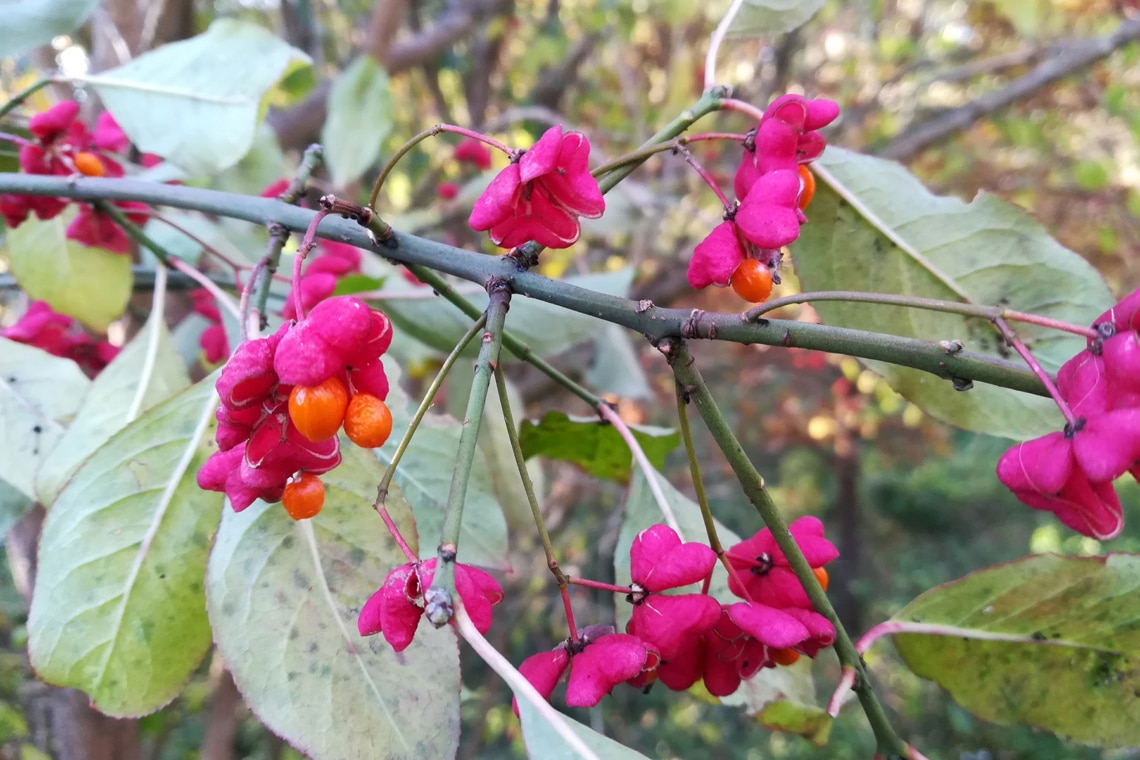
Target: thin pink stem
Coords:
[(474, 135), (609, 415), (893, 627), (14, 139), (693, 162), (740, 106), (599, 585), (307, 244), (237, 267), (396, 535), (222, 297), (569, 614), (914, 753), (1035, 367), (846, 683), (1053, 324), (249, 328)]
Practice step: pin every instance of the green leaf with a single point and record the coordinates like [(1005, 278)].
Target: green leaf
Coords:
[(119, 607), (357, 283), (31, 23), (197, 103), (763, 17), (360, 117), (542, 741), (90, 284), (148, 370), (546, 328), (988, 251), (1071, 643), (593, 444), (283, 598), (784, 699), (683, 515), (424, 475), (38, 392)]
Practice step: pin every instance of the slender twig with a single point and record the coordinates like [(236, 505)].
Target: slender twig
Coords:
[(1065, 59), (24, 94), (703, 173), (203, 244), (600, 586), (709, 102), (279, 236), (439, 598), (524, 475), (425, 405), (699, 488), (133, 230), (915, 302), (519, 685), (511, 343), (653, 322), (416, 140), (1027, 355), (640, 155), (689, 378), (307, 243), (222, 297), (742, 106), (651, 478), (715, 41)]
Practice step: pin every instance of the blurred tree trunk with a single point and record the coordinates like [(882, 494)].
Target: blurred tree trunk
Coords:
[(61, 722)]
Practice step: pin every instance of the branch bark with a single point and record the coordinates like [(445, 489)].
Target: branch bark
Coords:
[(651, 321), (1064, 60)]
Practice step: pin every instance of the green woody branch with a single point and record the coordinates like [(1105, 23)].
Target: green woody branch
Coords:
[(644, 317)]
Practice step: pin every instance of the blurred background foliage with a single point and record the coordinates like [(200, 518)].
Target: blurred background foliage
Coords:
[(972, 97)]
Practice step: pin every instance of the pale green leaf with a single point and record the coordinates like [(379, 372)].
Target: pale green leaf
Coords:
[(38, 393), (90, 284), (544, 743), (905, 240), (31, 23), (360, 117), (148, 370), (784, 699), (547, 329), (616, 368), (283, 598), (119, 605), (764, 17), (197, 103), (1046, 640)]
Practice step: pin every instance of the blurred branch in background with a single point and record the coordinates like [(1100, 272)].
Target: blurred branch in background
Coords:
[(300, 125), (1064, 59)]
